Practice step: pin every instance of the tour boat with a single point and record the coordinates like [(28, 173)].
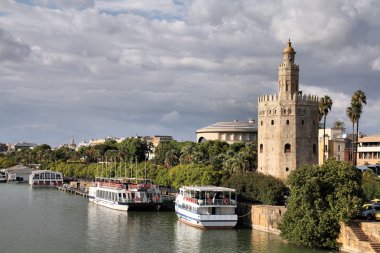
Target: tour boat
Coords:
[(207, 206), (125, 194), (45, 178)]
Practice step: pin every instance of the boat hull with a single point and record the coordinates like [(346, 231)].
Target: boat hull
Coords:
[(206, 221), (109, 204)]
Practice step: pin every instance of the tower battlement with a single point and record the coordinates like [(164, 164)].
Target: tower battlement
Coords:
[(295, 96)]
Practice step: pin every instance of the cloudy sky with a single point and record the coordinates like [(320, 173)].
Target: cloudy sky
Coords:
[(93, 68)]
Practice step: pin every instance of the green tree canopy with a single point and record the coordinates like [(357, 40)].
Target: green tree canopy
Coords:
[(320, 198)]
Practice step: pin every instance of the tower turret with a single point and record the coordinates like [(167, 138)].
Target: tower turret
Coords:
[(288, 73)]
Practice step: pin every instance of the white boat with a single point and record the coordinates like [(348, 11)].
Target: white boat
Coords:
[(207, 206), (45, 178), (125, 194)]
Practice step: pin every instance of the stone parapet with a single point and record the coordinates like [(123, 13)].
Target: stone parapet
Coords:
[(295, 96)]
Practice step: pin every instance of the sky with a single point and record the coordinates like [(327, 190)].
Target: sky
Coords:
[(87, 69)]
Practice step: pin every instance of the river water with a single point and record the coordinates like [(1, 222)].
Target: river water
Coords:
[(47, 220)]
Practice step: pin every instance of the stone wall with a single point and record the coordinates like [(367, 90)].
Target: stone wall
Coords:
[(372, 230), (261, 217), (266, 218)]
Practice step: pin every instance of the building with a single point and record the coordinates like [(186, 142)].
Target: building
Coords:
[(230, 132), (287, 123), (21, 145), (337, 145), (368, 150), (18, 173)]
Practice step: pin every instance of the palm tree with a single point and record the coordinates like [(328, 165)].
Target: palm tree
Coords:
[(351, 114), (339, 125), (325, 104), (171, 158), (359, 99), (188, 153)]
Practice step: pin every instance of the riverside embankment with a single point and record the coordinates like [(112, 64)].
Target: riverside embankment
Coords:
[(357, 237)]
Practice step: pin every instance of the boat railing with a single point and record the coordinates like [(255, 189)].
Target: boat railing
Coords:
[(142, 186), (111, 185), (210, 201)]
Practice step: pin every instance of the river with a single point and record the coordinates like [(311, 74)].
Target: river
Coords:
[(47, 220)]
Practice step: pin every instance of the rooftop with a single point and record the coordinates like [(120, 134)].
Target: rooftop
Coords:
[(230, 126)]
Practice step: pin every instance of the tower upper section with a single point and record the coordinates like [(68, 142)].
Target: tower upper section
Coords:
[(288, 74)]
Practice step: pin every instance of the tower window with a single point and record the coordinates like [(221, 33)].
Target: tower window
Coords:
[(302, 122), (261, 148), (287, 169), (289, 111), (270, 111), (338, 148), (286, 87), (287, 122), (272, 122), (287, 148), (314, 149), (284, 111), (261, 122), (275, 111)]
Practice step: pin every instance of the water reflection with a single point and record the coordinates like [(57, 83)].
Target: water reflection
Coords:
[(106, 228)]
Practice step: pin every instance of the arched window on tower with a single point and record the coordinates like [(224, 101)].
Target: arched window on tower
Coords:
[(314, 149), (272, 122), (287, 122), (261, 148), (287, 148)]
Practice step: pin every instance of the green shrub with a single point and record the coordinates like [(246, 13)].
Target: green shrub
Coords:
[(257, 187), (370, 185), (321, 197)]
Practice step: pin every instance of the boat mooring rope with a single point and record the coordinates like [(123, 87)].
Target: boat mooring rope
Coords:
[(244, 215)]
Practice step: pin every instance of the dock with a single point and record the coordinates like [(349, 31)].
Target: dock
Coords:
[(73, 191)]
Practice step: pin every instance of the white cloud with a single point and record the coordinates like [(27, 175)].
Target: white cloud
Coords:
[(121, 67), (171, 117)]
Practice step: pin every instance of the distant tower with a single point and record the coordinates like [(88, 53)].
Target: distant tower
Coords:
[(287, 123)]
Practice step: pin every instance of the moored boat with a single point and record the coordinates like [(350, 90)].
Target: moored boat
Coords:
[(207, 206), (45, 178), (125, 194)]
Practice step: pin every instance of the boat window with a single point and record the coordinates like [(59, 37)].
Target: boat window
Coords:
[(119, 195), (124, 195)]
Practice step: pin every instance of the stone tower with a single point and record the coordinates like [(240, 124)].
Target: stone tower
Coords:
[(287, 123)]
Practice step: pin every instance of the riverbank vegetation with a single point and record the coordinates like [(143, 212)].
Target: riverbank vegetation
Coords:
[(321, 198)]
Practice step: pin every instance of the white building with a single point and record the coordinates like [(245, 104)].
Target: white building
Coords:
[(230, 132)]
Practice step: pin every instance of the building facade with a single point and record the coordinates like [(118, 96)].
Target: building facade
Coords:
[(287, 123), (368, 150), (230, 132), (337, 145)]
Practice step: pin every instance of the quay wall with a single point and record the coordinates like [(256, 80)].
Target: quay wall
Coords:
[(266, 218), (260, 217)]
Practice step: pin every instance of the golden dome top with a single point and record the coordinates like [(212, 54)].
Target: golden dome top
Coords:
[(289, 49)]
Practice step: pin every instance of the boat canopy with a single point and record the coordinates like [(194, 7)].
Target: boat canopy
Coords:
[(207, 188)]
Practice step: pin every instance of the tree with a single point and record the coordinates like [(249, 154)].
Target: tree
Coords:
[(320, 198), (339, 125), (351, 113), (358, 99), (188, 153), (257, 187), (325, 104)]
